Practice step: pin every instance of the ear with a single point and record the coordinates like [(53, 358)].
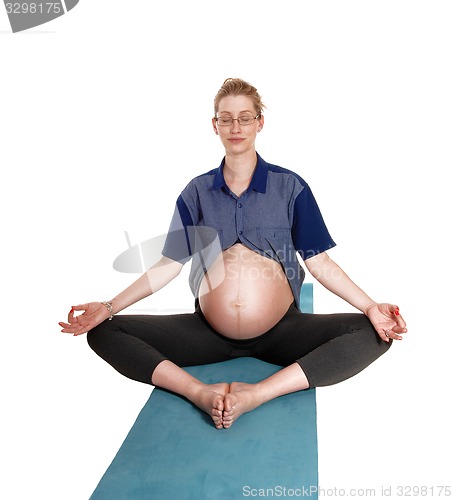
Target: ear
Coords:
[(261, 123), (214, 126)]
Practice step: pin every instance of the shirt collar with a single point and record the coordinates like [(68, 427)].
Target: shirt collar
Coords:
[(258, 182)]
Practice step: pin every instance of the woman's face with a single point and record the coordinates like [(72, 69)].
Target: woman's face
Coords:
[(236, 138)]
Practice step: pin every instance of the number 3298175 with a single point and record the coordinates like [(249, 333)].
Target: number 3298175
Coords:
[(34, 8)]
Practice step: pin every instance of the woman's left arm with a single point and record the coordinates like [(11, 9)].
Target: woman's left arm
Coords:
[(386, 318)]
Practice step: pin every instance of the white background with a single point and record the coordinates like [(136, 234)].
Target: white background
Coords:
[(105, 116)]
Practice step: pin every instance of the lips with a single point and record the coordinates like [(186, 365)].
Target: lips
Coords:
[(236, 140)]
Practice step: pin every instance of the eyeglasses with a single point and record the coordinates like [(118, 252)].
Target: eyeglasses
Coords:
[(226, 121)]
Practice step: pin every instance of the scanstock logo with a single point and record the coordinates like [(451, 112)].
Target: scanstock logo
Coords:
[(28, 14)]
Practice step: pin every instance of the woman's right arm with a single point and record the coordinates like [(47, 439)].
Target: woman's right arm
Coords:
[(95, 313)]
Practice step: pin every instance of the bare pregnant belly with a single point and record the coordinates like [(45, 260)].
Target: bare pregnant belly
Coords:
[(250, 296)]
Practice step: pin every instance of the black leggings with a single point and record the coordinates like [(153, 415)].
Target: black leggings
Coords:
[(329, 348)]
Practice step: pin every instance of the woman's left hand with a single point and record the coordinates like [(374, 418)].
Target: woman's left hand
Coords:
[(387, 321)]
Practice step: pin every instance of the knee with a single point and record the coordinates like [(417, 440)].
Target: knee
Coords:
[(96, 335), (387, 345), (91, 338), (373, 338), (384, 345)]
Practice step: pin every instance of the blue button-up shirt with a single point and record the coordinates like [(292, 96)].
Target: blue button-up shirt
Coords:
[(277, 217)]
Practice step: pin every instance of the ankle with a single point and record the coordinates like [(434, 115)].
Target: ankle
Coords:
[(194, 389), (262, 392), (258, 391)]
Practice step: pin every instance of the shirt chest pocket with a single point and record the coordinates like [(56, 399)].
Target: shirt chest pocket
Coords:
[(275, 241)]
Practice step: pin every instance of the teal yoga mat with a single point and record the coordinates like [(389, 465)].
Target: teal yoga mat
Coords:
[(174, 452)]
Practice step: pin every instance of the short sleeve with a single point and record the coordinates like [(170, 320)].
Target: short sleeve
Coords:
[(187, 238), (309, 231), (178, 243)]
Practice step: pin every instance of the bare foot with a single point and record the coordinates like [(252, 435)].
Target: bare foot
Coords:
[(242, 398), (210, 399)]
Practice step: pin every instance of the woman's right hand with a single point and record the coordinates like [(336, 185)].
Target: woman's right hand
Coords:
[(93, 314)]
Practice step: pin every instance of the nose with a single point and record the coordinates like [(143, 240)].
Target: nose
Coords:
[(235, 126)]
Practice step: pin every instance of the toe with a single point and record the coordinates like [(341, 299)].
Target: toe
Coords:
[(228, 404), (218, 403), (218, 423), (216, 413)]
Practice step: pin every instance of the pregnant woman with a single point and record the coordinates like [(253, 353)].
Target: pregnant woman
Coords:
[(242, 225)]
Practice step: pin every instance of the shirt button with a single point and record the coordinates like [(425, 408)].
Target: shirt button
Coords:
[(240, 232), (240, 205)]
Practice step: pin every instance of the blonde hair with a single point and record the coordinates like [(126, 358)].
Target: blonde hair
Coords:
[(236, 86)]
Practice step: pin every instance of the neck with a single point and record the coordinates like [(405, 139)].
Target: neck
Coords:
[(240, 168)]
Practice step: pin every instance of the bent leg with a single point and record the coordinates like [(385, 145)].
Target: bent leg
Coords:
[(136, 345), (315, 350), (346, 355), (149, 349), (329, 348)]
